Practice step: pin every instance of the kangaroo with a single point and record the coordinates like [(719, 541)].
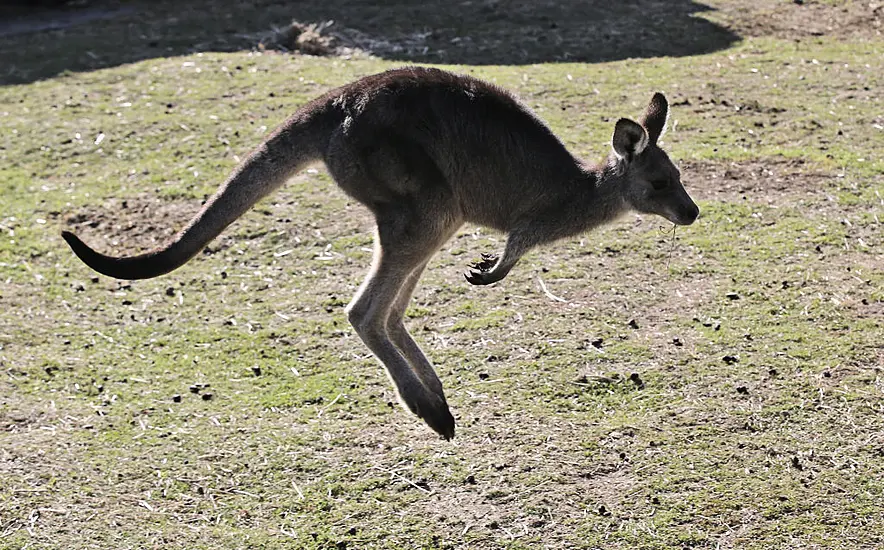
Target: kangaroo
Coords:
[(425, 151)]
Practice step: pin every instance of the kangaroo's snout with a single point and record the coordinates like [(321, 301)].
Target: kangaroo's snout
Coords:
[(688, 214), (682, 211)]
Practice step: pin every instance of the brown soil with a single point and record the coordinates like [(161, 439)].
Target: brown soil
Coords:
[(802, 19), (133, 223)]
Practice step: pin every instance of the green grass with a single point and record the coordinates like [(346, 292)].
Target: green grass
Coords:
[(757, 332)]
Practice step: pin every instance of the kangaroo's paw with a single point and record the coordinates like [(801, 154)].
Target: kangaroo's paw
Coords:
[(479, 273), (486, 263), (434, 411)]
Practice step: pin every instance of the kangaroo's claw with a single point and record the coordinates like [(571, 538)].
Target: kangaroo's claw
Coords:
[(474, 277), (487, 262), (479, 271)]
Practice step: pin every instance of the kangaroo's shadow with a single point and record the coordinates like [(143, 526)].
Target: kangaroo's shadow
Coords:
[(41, 43)]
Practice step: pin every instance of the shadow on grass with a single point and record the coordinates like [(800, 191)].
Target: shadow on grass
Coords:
[(39, 43)]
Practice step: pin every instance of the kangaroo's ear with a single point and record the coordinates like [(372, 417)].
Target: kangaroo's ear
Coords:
[(655, 117), (630, 139)]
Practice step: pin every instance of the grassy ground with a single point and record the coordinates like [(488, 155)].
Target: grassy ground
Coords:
[(756, 334)]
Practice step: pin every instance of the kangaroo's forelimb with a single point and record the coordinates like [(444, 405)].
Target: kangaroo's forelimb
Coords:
[(491, 269)]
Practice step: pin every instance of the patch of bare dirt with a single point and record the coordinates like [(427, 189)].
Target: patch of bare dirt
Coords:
[(132, 223), (480, 32), (544, 26), (771, 180), (15, 418), (870, 309), (503, 31), (803, 18)]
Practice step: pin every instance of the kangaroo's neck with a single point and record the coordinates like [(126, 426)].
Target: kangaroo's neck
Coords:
[(600, 199)]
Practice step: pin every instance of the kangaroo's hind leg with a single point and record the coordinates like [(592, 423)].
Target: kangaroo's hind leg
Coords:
[(403, 340), (406, 239)]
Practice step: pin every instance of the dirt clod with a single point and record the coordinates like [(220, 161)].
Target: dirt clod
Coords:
[(636, 379)]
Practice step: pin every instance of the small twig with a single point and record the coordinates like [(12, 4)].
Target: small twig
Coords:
[(530, 489), (53, 510), (671, 247), (405, 479), (549, 294), (482, 382), (335, 400)]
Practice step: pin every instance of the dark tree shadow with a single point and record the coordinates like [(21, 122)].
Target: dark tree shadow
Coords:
[(39, 43)]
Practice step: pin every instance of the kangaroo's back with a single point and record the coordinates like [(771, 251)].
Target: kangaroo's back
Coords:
[(496, 157)]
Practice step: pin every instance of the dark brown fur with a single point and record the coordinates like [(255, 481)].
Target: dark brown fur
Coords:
[(426, 151)]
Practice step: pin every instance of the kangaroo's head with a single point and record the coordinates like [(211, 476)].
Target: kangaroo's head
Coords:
[(652, 183)]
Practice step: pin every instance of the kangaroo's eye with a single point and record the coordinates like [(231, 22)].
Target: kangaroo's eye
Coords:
[(659, 185)]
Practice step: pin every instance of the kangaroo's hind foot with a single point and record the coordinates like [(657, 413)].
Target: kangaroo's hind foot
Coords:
[(432, 408)]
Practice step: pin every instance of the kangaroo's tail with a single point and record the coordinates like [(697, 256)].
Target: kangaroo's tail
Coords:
[(299, 141)]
